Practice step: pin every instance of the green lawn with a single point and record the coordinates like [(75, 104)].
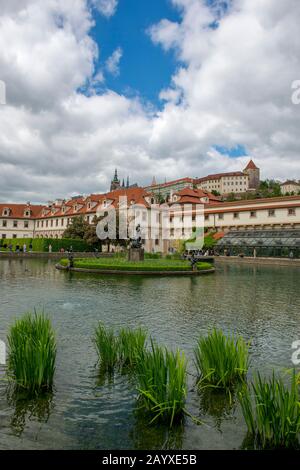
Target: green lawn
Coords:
[(122, 264)]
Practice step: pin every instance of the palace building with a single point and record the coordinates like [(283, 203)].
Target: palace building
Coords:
[(237, 182), (52, 219)]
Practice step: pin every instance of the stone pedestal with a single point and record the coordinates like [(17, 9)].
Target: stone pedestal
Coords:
[(136, 254)]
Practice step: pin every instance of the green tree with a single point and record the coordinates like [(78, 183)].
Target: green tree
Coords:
[(77, 228)]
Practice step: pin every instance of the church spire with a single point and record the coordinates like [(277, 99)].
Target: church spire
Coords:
[(115, 183), (116, 175), (127, 185)]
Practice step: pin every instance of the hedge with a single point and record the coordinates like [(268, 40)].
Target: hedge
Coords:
[(42, 244)]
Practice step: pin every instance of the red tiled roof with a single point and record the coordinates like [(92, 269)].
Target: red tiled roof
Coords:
[(17, 210), (218, 176), (295, 183), (170, 183), (251, 166), (218, 235), (194, 195)]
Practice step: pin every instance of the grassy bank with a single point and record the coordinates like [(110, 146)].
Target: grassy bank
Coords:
[(122, 264)]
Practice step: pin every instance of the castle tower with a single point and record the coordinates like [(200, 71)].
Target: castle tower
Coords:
[(115, 183), (254, 175)]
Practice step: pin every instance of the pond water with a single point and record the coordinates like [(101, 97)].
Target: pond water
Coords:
[(85, 412)]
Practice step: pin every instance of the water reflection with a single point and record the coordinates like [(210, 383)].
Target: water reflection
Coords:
[(28, 407), (155, 436), (218, 404)]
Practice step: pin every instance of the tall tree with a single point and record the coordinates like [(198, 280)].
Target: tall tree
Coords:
[(77, 228)]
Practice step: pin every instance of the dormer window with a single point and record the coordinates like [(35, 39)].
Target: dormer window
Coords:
[(6, 212), (27, 213)]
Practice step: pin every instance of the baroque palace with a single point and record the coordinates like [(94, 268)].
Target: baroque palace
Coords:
[(51, 220)]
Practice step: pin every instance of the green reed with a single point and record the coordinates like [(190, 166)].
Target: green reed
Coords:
[(107, 346), (162, 383), (272, 415), (131, 346), (221, 361), (32, 352)]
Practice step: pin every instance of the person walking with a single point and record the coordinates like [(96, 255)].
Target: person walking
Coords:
[(254, 253), (24, 248), (50, 248)]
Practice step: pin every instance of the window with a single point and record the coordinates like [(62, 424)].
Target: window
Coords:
[(252, 214), (62, 222), (56, 222), (26, 224), (38, 224), (291, 211), (4, 223), (3, 235), (14, 235), (206, 217), (15, 223), (221, 216), (271, 212), (236, 215)]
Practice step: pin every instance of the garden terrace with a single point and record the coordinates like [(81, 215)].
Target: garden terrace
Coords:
[(148, 266)]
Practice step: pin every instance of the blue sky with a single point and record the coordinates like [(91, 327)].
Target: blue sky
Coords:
[(144, 67)]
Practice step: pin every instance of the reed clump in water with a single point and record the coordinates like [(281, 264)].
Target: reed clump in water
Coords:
[(162, 383), (132, 345), (107, 346), (272, 412), (32, 352), (221, 361)]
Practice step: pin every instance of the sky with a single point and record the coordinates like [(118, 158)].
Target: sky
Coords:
[(164, 88)]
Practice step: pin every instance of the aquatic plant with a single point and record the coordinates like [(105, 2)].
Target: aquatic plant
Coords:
[(272, 415), (107, 346), (162, 387), (221, 361), (32, 352), (131, 346)]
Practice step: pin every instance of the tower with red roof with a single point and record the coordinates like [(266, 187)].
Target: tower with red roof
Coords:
[(253, 173)]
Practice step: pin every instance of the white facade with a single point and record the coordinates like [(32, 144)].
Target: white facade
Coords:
[(260, 213), (226, 184), (290, 187)]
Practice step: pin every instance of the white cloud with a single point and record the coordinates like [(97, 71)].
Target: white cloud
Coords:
[(233, 86), (113, 62), (106, 7)]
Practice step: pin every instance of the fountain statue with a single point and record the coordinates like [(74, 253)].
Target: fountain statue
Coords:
[(136, 251)]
